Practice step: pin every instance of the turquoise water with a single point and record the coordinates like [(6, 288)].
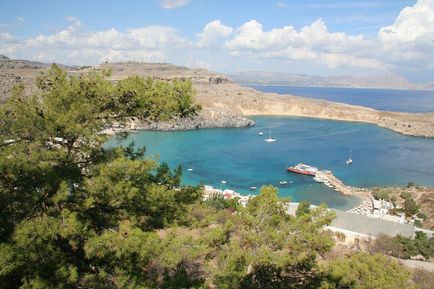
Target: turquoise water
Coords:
[(381, 99), (242, 158)]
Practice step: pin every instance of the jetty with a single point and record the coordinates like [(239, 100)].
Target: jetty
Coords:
[(332, 181)]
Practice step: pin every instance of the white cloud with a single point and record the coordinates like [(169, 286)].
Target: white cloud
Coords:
[(158, 36), (6, 37), (171, 4), (406, 46), (212, 34), (75, 45), (312, 42), (251, 36), (409, 41), (412, 24)]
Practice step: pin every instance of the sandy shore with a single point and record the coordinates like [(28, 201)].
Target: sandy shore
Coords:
[(249, 102)]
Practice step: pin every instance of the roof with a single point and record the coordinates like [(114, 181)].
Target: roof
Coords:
[(370, 226), (362, 224)]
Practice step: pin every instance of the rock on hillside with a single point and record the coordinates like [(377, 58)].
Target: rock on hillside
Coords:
[(163, 71), (205, 119), (15, 71), (225, 103)]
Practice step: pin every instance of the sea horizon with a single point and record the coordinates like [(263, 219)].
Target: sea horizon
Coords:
[(385, 99)]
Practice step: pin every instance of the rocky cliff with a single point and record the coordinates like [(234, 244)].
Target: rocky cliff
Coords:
[(227, 104)]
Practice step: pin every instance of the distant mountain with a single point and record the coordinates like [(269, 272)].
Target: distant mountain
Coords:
[(391, 81), (6, 64)]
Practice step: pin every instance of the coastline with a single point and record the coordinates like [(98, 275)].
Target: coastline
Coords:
[(227, 104), (250, 102), (245, 84)]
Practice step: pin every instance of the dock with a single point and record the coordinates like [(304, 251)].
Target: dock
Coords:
[(333, 182)]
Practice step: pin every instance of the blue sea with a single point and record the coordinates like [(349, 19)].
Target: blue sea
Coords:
[(381, 99), (241, 158)]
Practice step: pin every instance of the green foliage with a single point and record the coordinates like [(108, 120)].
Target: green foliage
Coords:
[(271, 243), (218, 201), (380, 194), (410, 207), (73, 214), (424, 246), (406, 195), (404, 247), (154, 99), (303, 208), (418, 223), (363, 271), (76, 215), (388, 246), (422, 215), (183, 95)]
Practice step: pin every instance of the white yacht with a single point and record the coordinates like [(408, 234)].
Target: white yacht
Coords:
[(270, 139), (349, 160)]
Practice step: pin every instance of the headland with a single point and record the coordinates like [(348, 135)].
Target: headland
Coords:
[(224, 102)]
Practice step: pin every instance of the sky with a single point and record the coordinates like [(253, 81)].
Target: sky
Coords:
[(327, 37)]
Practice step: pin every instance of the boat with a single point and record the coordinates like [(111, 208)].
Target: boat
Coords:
[(319, 179), (253, 188), (349, 160), (190, 170), (303, 169), (270, 139), (260, 133), (223, 182), (283, 182)]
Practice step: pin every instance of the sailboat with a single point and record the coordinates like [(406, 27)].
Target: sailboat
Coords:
[(270, 139), (349, 160)]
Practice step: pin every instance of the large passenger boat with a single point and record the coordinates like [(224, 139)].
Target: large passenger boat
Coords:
[(303, 169)]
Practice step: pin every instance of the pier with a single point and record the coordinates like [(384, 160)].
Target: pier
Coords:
[(332, 181)]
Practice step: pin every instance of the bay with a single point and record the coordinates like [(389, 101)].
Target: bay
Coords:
[(241, 158)]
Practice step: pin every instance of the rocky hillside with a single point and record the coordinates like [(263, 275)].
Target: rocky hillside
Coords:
[(227, 104), (15, 71)]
